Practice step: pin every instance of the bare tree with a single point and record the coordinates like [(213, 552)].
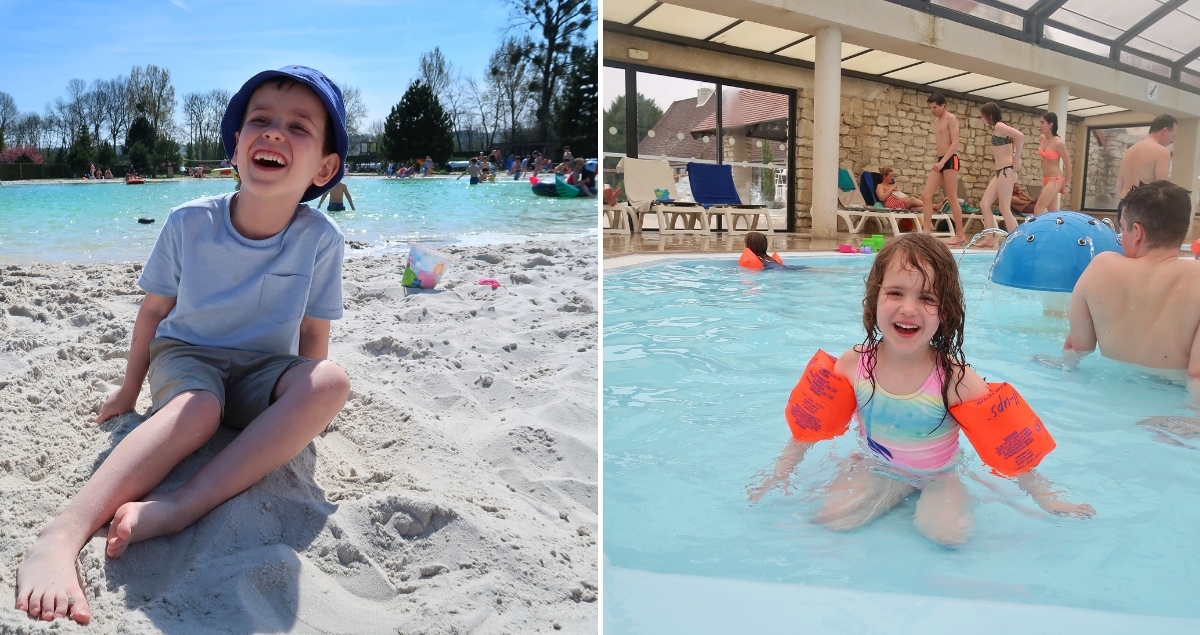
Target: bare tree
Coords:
[(435, 71), (153, 96), (26, 130), (560, 23), (216, 102), (356, 109), (454, 99), (117, 114), (509, 76), (8, 112), (486, 105), (194, 107), (375, 128)]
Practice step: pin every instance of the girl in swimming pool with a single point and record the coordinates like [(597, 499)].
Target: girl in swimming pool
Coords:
[(907, 375), (1051, 148), (1007, 142)]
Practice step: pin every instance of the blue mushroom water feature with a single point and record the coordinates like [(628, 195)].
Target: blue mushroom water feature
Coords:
[(1050, 252)]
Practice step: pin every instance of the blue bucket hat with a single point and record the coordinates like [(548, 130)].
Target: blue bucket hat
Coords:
[(326, 91)]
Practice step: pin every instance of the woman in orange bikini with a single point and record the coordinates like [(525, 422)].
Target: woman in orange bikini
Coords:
[(1007, 142), (1055, 181)]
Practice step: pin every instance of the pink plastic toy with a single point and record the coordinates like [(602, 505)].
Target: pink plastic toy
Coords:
[(492, 282)]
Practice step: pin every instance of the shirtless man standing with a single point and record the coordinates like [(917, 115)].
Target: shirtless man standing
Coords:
[(1147, 160), (944, 172), (1144, 307)]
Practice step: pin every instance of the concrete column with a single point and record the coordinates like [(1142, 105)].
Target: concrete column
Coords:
[(827, 124), (1058, 106)]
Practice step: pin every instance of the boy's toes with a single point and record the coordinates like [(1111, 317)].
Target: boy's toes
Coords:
[(80, 611), (118, 534)]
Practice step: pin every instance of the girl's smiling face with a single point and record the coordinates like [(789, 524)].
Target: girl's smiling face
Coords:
[(907, 308)]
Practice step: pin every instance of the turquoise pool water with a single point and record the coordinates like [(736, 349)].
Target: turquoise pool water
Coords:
[(699, 358), (97, 222)]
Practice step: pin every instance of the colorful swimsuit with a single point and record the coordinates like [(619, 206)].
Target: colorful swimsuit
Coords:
[(913, 432)]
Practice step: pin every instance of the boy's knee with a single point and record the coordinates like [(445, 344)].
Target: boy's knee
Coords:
[(201, 404), (332, 379)]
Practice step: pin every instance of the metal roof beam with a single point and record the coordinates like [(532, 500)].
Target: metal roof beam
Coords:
[(1036, 16)]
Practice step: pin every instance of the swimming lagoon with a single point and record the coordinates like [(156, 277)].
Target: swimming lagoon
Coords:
[(98, 221), (699, 359)]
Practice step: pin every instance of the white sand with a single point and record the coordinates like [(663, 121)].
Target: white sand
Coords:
[(457, 491)]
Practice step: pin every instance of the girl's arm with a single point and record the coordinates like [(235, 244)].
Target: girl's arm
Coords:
[(1041, 489), (788, 459), (1018, 139)]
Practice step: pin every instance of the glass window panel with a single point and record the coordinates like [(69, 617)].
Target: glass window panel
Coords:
[(1148, 65), (613, 118), (1036, 100), (807, 50), (924, 73), (876, 62), (967, 83), (1023, 5), (678, 123), (668, 18), (1070, 39), (758, 37), (1105, 148), (624, 11), (1190, 79), (1087, 24), (1194, 65), (989, 13), (1005, 91), (754, 125)]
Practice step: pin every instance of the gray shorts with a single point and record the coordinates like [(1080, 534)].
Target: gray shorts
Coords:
[(241, 380)]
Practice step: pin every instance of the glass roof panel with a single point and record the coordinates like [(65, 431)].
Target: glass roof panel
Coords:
[(1099, 110), (1080, 103), (1036, 100), (699, 25), (876, 62), (1146, 46), (807, 50), (758, 37), (978, 10), (1005, 91), (1086, 23), (1023, 5), (924, 73), (1070, 39), (1116, 15), (1177, 31), (624, 11), (967, 83)]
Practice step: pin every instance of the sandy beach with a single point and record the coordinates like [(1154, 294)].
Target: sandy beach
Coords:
[(456, 492)]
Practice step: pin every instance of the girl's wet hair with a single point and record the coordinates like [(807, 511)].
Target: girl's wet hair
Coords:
[(757, 243), (935, 265), (991, 112)]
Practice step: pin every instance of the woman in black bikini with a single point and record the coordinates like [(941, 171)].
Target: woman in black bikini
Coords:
[(1006, 146)]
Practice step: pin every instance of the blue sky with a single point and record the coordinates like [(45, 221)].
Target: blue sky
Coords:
[(372, 45)]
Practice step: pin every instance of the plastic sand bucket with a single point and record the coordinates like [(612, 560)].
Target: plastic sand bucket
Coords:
[(425, 267)]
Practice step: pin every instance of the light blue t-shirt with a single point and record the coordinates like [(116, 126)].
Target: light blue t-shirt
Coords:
[(240, 294)]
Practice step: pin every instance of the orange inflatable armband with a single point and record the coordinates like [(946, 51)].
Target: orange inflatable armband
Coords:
[(1005, 431), (822, 402), (751, 261)]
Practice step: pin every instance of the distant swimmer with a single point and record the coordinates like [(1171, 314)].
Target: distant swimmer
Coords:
[(1147, 160), (335, 199)]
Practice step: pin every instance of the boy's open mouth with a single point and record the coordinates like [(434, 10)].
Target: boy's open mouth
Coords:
[(266, 159)]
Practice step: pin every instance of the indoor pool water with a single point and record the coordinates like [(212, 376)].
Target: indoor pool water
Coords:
[(97, 221), (699, 359)]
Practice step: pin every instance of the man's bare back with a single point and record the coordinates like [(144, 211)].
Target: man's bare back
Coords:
[(1144, 162), (1143, 311)]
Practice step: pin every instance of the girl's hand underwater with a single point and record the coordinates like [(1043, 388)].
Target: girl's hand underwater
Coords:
[(769, 483), (1063, 508)]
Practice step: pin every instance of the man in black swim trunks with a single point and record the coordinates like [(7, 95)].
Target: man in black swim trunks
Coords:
[(944, 171)]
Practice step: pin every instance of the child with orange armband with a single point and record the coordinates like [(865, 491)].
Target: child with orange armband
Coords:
[(910, 389), (754, 256)]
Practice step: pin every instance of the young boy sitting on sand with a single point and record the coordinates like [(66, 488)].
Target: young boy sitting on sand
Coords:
[(234, 329)]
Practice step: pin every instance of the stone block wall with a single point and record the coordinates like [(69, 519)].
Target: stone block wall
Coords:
[(886, 125)]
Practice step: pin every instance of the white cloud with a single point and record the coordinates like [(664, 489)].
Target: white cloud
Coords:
[(181, 5)]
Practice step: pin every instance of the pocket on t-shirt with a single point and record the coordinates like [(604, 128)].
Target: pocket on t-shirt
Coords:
[(283, 297)]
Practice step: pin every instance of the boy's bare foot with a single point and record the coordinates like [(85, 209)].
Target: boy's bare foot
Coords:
[(48, 583), (141, 520)]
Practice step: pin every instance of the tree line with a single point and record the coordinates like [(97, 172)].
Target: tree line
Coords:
[(533, 90)]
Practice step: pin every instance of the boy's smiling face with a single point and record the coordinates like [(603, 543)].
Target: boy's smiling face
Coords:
[(280, 146)]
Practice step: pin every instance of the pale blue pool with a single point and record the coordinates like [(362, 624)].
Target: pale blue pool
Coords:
[(699, 358), (97, 222)]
